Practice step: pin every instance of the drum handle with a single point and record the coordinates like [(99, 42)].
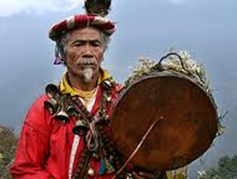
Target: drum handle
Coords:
[(159, 64)]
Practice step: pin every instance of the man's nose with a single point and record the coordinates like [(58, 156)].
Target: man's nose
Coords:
[(88, 51)]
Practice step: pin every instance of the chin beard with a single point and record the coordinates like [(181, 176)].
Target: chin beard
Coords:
[(88, 74)]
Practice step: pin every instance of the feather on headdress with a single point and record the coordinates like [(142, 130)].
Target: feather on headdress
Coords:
[(97, 7)]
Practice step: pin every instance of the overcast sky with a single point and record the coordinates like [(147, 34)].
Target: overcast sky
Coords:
[(206, 28)]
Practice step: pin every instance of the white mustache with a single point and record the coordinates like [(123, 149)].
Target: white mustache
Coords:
[(86, 61)]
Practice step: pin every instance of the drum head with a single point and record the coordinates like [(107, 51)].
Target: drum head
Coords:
[(187, 126)]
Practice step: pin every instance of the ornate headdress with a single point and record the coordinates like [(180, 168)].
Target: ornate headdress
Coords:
[(96, 10)]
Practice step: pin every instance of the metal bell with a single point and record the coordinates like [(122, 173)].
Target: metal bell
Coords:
[(107, 84), (80, 128), (51, 90), (62, 116), (71, 111), (51, 105)]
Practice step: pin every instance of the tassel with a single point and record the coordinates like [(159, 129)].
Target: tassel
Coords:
[(102, 167), (105, 167), (109, 167), (58, 59)]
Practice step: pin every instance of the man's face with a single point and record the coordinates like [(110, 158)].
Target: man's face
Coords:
[(84, 50)]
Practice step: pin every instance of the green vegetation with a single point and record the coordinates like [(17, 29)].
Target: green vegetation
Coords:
[(8, 143), (226, 169)]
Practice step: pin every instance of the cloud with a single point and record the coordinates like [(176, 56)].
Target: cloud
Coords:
[(11, 7), (177, 1)]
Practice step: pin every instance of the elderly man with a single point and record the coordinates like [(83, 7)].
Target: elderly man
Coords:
[(65, 130)]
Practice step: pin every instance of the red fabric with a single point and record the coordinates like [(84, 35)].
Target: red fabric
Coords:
[(45, 145), (79, 21)]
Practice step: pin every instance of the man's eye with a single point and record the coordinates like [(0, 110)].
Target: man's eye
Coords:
[(95, 44), (77, 44)]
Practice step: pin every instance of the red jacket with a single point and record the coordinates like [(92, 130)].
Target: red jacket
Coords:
[(45, 144)]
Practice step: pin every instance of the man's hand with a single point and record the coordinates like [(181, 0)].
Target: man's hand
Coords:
[(142, 174)]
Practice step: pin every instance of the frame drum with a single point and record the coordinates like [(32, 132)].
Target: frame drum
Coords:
[(187, 121)]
